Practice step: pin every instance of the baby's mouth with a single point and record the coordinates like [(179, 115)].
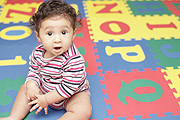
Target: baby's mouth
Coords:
[(57, 49)]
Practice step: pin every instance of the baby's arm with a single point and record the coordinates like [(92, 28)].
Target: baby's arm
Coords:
[(33, 79), (55, 95)]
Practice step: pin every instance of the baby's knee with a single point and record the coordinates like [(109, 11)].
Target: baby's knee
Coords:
[(84, 113), (87, 113), (23, 87)]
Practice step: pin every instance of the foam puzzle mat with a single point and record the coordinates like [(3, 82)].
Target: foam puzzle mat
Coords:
[(131, 49)]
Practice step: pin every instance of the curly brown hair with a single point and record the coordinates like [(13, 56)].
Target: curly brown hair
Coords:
[(53, 8)]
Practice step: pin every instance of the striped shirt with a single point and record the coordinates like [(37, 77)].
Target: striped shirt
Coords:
[(65, 72)]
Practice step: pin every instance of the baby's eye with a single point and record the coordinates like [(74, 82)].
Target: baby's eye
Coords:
[(64, 32), (49, 33)]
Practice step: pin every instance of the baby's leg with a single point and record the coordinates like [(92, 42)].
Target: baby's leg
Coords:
[(78, 107), (20, 108)]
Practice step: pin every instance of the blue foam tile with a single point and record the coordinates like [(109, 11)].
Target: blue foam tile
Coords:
[(9, 49), (97, 98), (122, 118), (168, 116), (115, 61)]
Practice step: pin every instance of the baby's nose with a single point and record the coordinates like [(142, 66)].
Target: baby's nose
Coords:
[(57, 40)]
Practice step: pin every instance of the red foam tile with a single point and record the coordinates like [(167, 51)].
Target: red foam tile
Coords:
[(166, 103), (173, 6), (86, 42)]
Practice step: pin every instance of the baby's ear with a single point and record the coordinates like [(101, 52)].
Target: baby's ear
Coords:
[(74, 34), (37, 36)]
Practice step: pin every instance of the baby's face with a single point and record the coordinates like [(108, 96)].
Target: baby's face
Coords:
[(56, 34)]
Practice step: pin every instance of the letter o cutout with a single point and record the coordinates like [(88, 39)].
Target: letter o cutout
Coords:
[(124, 28), (15, 37)]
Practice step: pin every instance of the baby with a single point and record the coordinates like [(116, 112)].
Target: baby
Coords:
[(56, 76)]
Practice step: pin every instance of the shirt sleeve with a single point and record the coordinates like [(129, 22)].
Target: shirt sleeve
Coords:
[(73, 76), (33, 73)]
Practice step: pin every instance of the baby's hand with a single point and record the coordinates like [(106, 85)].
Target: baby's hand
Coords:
[(31, 94), (40, 104), (32, 89)]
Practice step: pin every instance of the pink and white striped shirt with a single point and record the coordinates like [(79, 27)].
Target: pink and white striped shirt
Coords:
[(65, 72)]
